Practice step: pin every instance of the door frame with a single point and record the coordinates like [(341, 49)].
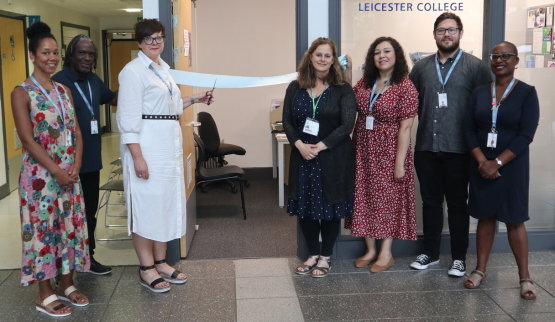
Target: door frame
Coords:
[(5, 189)]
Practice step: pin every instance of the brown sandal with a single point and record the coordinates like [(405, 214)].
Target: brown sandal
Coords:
[(474, 279), (527, 289), (75, 300), (41, 306)]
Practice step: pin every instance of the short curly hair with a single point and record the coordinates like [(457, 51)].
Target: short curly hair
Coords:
[(371, 72)]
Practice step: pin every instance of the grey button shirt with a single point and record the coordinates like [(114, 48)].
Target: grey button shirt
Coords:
[(440, 129)]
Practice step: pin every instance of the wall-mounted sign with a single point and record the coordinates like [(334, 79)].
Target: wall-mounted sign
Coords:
[(33, 19), (408, 6)]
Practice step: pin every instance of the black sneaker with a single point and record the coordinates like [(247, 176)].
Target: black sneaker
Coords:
[(99, 269), (458, 268), (423, 261)]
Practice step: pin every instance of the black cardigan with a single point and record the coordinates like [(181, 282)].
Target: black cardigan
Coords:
[(337, 119)]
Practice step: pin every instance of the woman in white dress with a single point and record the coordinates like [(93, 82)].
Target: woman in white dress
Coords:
[(149, 106)]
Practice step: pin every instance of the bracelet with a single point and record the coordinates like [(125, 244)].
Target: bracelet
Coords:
[(192, 99)]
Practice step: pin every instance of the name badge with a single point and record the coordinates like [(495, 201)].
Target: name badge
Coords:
[(492, 140), (311, 126), (369, 122), (442, 99), (68, 139), (94, 127)]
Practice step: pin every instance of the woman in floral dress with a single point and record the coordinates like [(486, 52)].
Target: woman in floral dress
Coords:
[(54, 228)]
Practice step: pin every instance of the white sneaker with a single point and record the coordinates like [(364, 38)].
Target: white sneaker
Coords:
[(423, 261), (458, 268)]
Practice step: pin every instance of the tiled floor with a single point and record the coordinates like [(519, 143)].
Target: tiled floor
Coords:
[(267, 290)]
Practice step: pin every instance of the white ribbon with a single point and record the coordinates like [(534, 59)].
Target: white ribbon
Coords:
[(226, 81)]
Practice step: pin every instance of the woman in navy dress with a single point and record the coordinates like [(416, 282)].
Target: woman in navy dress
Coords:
[(500, 168), (318, 116)]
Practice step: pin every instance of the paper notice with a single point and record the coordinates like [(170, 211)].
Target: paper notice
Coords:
[(539, 61), (185, 42), (549, 17), (531, 19), (537, 41)]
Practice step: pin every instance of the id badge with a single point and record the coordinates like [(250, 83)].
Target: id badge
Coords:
[(492, 140), (94, 127), (369, 122), (311, 126), (442, 100), (67, 136)]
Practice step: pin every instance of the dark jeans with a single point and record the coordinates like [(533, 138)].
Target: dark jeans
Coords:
[(90, 182), (444, 175), (311, 230)]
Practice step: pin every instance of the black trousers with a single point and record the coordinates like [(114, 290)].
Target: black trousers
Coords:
[(90, 182), (444, 175), (311, 230)]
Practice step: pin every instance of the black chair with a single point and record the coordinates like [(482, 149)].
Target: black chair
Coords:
[(208, 132), (224, 173)]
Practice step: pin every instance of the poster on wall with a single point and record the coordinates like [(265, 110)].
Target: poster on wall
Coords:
[(551, 64), (546, 40), (540, 18), (539, 61), (552, 42), (529, 61), (549, 17), (531, 21), (537, 41)]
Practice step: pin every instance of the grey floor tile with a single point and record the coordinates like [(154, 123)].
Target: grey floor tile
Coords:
[(97, 292), (132, 292), (265, 287), (405, 281), (333, 308), (541, 258), (134, 312), (213, 311), (544, 276), (331, 284), (19, 314), (347, 266), (261, 267), (269, 310), (512, 303), (130, 273), (479, 318), (394, 305), (4, 274), (426, 319), (462, 303), (402, 264), (90, 313), (14, 279), (112, 277), (204, 289), (503, 277), (535, 317), (12, 296), (207, 269)]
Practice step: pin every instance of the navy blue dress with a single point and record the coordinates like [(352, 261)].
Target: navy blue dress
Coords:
[(507, 196), (311, 201)]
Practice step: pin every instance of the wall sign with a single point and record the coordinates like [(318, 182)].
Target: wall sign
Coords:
[(407, 6)]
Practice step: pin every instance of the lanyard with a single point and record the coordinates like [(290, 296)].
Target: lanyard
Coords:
[(62, 126), (85, 98), (168, 86), (314, 106), (373, 100), (443, 83), (495, 108)]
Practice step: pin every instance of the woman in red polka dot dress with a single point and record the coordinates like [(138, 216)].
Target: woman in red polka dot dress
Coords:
[(387, 102)]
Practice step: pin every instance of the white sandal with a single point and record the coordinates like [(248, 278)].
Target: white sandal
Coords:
[(75, 300), (41, 306)]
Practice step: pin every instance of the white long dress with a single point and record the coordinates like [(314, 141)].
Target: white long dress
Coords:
[(155, 207)]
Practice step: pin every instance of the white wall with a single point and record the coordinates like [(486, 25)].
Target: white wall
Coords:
[(245, 38), (122, 23)]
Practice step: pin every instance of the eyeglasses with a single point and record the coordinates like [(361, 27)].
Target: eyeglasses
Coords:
[(441, 31), (503, 56), (149, 40)]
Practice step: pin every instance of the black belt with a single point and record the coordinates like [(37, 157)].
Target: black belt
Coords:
[(161, 117)]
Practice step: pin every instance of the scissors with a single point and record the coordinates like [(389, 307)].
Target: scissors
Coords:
[(211, 92)]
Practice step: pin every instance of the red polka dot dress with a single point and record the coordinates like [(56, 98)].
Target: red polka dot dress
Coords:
[(383, 208)]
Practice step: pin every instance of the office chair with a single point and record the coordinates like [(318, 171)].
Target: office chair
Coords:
[(224, 173), (208, 132)]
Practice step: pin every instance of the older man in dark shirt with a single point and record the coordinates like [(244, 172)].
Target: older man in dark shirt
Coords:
[(88, 92), (445, 82)]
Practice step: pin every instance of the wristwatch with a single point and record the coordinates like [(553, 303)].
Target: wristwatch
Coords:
[(499, 162), (192, 99)]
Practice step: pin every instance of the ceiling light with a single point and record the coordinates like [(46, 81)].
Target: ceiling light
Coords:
[(133, 10)]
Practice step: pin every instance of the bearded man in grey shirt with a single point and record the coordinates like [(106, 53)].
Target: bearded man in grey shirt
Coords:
[(445, 82)]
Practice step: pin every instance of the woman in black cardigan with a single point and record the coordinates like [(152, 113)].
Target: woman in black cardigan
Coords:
[(318, 117)]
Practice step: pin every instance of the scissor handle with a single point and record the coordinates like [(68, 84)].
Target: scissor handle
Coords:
[(209, 97)]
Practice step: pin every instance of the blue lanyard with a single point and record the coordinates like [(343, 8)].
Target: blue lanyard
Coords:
[(85, 98), (372, 101), (168, 86), (443, 83), (495, 107), (62, 115)]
